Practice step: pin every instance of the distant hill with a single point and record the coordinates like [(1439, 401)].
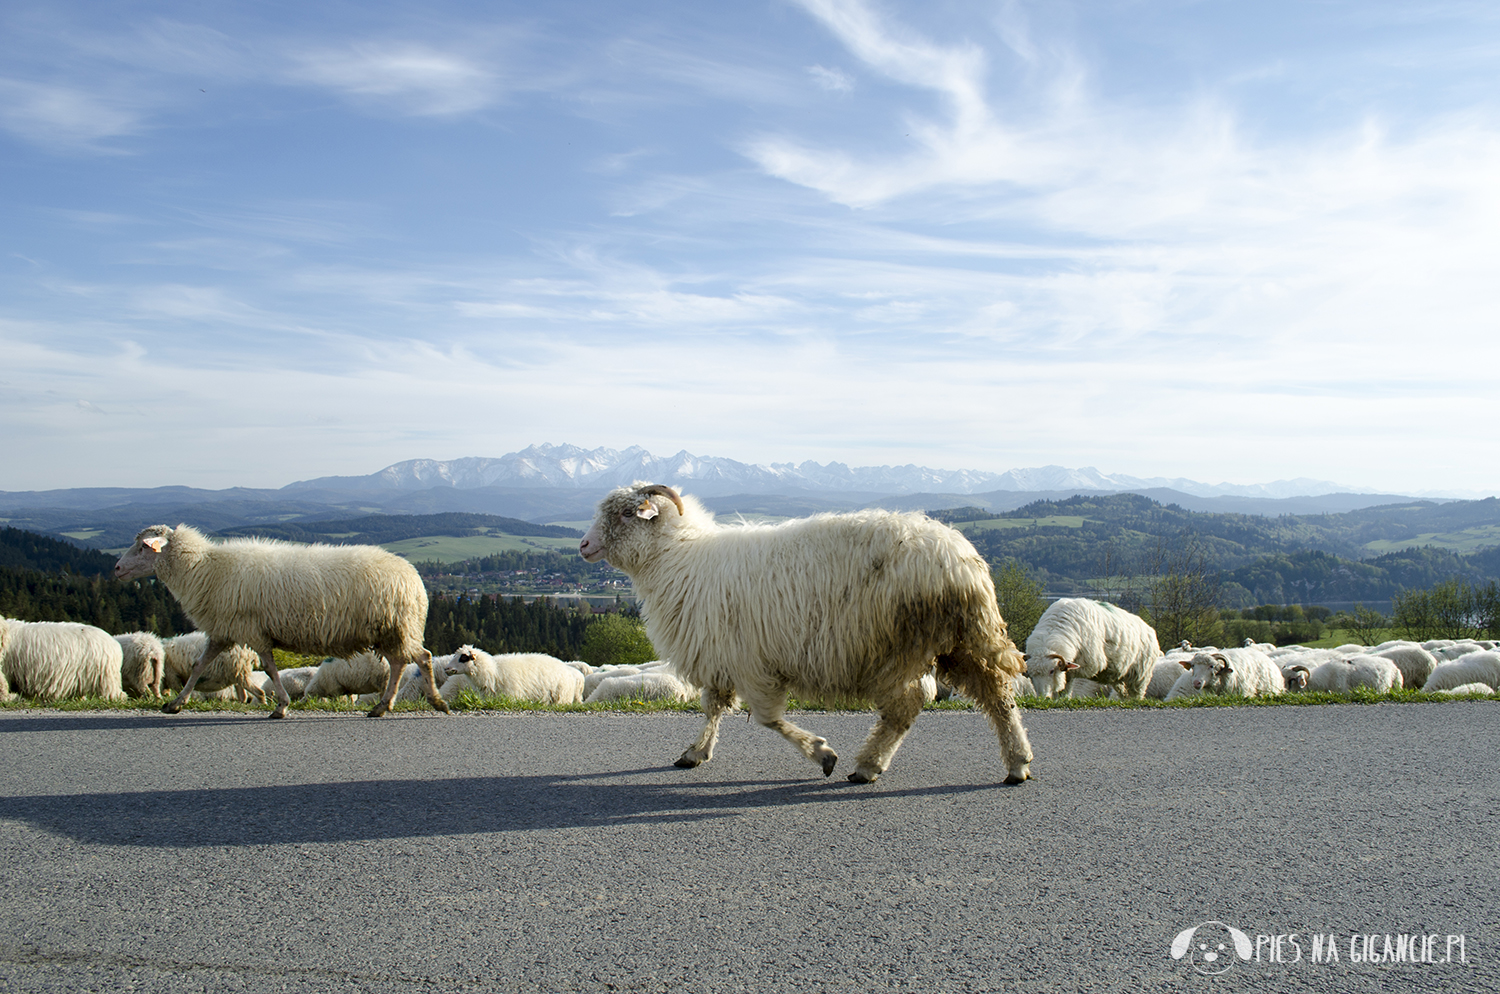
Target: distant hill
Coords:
[(24, 550), (379, 529)]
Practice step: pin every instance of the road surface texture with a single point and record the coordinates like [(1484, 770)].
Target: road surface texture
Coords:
[(564, 852)]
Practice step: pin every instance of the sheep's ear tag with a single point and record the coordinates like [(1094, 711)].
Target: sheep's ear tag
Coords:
[(155, 542), (647, 510)]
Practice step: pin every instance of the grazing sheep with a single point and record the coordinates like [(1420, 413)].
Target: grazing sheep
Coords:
[(333, 599), (651, 685), (1076, 637), (1415, 663), (1236, 673), (50, 660), (361, 673), (836, 605), (1457, 650), (1474, 667), (230, 669), (525, 676), (141, 669)]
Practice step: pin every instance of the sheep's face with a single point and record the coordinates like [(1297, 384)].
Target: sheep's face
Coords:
[(627, 525), (1049, 673), (140, 559), (1296, 677), (1210, 671), (459, 663)]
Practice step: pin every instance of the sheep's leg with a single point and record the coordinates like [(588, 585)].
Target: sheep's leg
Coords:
[(268, 663), (391, 684), (896, 718), (424, 663), (210, 652), (768, 710), (715, 702), (995, 693)]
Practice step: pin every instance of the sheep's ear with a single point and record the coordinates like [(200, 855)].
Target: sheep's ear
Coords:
[(1187, 664), (647, 510), (155, 543)]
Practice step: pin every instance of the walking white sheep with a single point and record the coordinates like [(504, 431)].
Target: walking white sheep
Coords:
[(1076, 637), (836, 605), (141, 668), (50, 660), (333, 600)]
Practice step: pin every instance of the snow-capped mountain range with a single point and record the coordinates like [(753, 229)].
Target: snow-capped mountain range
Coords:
[(569, 466)]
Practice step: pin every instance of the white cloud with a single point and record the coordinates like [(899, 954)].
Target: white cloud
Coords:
[(833, 80), (64, 118), (411, 79)]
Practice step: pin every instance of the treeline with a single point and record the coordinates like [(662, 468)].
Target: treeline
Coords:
[(21, 549), (131, 606), (378, 529), (505, 624)]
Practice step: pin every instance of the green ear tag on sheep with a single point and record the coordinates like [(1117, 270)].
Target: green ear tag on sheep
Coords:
[(647, 510)]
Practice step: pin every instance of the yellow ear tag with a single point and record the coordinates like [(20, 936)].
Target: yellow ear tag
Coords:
[(647, 510)]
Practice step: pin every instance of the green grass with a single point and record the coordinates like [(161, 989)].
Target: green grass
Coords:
[(994, 524), (469, 702), (451, 549)]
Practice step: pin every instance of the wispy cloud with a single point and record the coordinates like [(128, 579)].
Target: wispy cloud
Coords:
[(65, 118), (410, 79)]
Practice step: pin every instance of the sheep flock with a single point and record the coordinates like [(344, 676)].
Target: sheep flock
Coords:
[(891, 609)]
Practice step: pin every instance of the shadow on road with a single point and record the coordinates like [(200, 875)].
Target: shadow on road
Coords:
[(384, 809)]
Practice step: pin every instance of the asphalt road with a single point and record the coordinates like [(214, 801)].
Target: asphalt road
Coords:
[(562, 852)]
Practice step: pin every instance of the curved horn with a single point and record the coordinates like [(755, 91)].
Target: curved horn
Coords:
[(668, 492)]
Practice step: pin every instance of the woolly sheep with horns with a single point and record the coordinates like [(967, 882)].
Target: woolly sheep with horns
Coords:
[(1076, 637), (317, 599), (855, 605)]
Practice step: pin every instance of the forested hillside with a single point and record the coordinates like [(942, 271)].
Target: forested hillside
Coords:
[(379, 529), (1072, 544)]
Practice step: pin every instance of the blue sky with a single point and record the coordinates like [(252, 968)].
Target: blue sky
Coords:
[(245, 244)]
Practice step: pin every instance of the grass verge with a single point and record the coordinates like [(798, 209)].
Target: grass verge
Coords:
[(469, 701)]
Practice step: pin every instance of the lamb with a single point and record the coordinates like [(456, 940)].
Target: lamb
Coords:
[(230, 669), (141, 670), (1475, 667), (836, 605), (326, 599), (1236, 673), (50, 660), (526, 676), (1076, 637)]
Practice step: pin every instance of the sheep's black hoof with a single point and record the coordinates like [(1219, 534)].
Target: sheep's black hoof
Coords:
[(859, 776), (441, 706), (687, 763), (170, 708), (278, 713), (1012, 780), (378, 710), (829, 762)]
